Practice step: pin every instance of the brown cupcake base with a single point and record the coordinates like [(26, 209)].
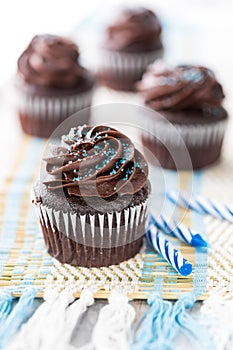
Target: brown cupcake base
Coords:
[(121, 70), (199, 156), (93, 240), (44, 126), (184, 140), (119, 82), (68, 251), (41, 110)]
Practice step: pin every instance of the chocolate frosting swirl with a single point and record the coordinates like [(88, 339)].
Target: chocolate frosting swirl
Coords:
[(134, 29), (52, 61), (96, 161), (179, 88)]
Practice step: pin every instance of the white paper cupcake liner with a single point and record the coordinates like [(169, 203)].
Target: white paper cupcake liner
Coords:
[(53, 108), (93, 240), (125, 63), (76, 226), (198, 135)]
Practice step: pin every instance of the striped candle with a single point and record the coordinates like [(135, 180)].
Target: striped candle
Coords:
[(173, 256), (180, 231), (201, 205)]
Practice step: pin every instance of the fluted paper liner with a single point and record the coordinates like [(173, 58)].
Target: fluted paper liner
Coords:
[(192, 135), (53, 107), (183, 146), (93, 240), (125, 67), (41, 115)]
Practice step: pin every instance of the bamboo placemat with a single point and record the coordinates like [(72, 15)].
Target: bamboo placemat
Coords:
[(24, 261)]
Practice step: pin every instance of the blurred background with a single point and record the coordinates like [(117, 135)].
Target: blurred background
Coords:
[(197, 30), (194, 31)]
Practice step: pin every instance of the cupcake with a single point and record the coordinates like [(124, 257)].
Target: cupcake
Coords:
[(190, 116), (131, 42), (51, 85), (92, 198)]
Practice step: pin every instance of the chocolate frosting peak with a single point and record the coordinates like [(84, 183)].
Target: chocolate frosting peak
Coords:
[(50, 60), (96, 161), (134, 29), (179, 88)]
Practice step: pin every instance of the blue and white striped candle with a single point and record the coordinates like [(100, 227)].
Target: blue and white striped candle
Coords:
[(201, 205), (173, 256), (180, 231)]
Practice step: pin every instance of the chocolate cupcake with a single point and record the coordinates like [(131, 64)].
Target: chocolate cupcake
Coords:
[(190, 116), (131, 42), (51, 85), (93, 198)]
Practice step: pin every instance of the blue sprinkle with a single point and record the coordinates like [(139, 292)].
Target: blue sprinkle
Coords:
[(113, 172), (192, 75), (137, 165), (123, 160), (74, 171), (77, 178)]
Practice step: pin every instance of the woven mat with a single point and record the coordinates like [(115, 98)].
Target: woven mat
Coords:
[(24, 261)]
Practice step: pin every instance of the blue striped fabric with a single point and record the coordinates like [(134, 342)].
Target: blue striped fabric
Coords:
[(18, 189)]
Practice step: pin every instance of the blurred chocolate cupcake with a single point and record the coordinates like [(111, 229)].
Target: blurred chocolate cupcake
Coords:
[(92, 201), (51, 85), (131, 42), (190, 115)]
